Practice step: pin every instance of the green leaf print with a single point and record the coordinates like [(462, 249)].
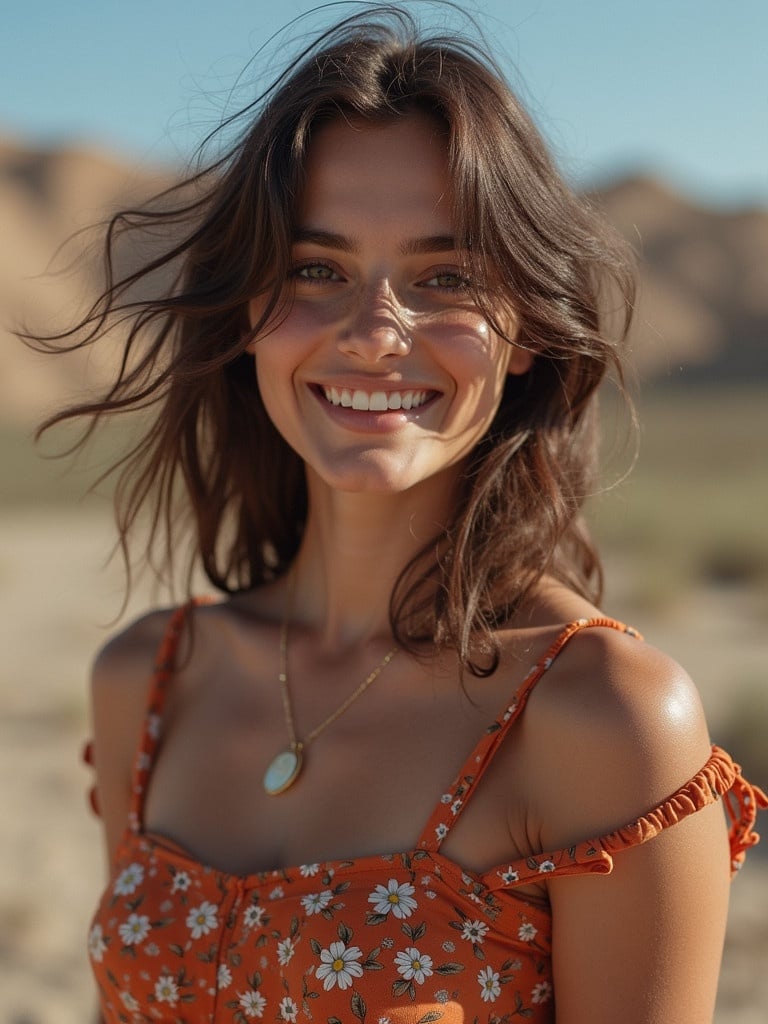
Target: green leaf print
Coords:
[(431, 1017), (344, 933), (358, 1006), (450, 968), (376, 918), (400, 987)]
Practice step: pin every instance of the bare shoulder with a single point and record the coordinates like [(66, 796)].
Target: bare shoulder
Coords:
[(130, 653), (628, 727)]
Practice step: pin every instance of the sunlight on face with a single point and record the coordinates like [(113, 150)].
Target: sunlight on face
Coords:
[(384, 374)]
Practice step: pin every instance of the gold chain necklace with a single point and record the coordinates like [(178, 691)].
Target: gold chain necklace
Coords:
[(286, 767)]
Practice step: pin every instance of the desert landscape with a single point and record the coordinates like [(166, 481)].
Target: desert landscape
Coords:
[(684, 535)]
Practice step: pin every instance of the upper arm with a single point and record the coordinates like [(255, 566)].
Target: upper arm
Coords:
[(120, 681), (644, 943)]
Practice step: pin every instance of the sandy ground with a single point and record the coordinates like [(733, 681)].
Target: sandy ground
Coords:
[(56, 603)]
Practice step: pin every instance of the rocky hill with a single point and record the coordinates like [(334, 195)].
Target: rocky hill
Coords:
[(702, 315)]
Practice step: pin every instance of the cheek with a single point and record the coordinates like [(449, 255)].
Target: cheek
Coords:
[(469, 349)]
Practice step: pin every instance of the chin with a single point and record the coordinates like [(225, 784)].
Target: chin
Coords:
[(373, 473)]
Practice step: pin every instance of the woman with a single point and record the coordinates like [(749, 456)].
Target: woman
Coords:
[(375, 381)]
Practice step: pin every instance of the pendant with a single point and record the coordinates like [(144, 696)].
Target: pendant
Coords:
[(283, 771)]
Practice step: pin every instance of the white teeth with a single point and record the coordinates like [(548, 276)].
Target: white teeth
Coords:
[(377, 401)]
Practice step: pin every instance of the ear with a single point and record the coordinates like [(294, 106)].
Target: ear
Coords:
[(520, 360)]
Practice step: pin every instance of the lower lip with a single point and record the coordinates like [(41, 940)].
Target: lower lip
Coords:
[(371, 422)]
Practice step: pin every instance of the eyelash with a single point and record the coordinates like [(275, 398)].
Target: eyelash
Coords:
[(296, 272), (462, 283)]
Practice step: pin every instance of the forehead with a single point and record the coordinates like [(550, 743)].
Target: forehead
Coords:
[(395, 169)]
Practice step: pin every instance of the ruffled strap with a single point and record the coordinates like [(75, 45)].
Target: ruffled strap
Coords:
[(720, 777)]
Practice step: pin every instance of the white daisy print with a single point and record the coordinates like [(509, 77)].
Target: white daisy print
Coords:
[(97, 947), (202, 919), (181, 882), (129, 880), (135, 929), (252, 1003), (223, 976), (441, 996), (541, 992), (338, 965), (526, 932), (316, 901), (166, 990), (277, 893), (153, 726), (288, 1010), (129, 1002), (456, 806), (508, 876), (449, 946), (253, 916), (489, 984), (546, 866), (412, 964), (152, 949), (441, 831), (446, 798), (285, 951), (393, 898), (474, 931), (309, 870)]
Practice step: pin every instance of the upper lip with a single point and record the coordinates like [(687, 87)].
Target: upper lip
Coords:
[(371, 384)]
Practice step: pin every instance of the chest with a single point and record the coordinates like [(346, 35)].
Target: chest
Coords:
[(368, 785)]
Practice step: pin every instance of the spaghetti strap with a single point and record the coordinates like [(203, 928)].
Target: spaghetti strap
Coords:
[(456, 798), (165, 666)]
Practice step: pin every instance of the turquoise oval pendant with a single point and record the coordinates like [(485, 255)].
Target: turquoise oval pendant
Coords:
[(283, 771)]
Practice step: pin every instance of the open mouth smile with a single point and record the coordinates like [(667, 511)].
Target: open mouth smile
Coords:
[(376, 401)]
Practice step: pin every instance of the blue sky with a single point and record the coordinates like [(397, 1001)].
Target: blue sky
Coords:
[(679, 87)]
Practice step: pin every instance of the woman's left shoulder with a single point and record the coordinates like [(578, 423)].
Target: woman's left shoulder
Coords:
[(628, 727)]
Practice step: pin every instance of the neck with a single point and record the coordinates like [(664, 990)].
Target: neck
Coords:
[(354, 548)]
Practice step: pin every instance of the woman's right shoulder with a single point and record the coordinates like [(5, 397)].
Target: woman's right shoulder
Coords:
[(126, 661)]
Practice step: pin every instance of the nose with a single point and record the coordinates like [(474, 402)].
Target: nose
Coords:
[(376, 327)]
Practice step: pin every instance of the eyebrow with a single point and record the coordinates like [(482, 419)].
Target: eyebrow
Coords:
[(410, 247)]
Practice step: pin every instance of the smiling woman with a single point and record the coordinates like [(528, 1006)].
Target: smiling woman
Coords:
[(361, 783)]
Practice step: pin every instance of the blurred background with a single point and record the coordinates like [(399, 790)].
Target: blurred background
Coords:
[(659, 110)]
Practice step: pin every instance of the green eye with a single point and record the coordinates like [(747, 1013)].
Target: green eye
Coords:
[(448, 281), (315, 272)]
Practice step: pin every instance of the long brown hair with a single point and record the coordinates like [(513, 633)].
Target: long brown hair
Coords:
[(210, 452)]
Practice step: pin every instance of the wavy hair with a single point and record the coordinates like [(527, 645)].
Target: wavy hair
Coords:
[(210, 462)]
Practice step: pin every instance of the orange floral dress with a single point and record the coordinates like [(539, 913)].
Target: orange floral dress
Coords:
[(401, 938)]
